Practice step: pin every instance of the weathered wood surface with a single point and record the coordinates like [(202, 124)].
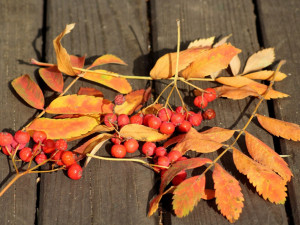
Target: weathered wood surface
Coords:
[(119, 193)]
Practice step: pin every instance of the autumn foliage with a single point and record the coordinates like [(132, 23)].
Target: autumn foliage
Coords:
[(85, 115)]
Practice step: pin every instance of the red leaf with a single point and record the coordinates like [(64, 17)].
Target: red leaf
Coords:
[(77, 61), (105, 59), (229, 197), (29, 91), (268, 184), (188, 194), (79, 104), (208, 194), (263, 154), (53, 78), (174, 140), (90, 92)]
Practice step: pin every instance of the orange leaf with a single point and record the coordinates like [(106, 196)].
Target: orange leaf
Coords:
[(79, 104), (229, 197), (203, 42), (235, 93), (261, 89), (132, 101), (88, 145), (35, 62), (263, 154), (260, 60), (53, 78), (142, 133), (152, 109), (77, 61), (62, 57), (117, 83), (105, 59), (211, 61), (208, 194), (63, 128), (218, 134), (174, 140), (238, 81), (90, 92), (280, 128), (29, 91), (266, 75), (166, 65), (187, 195), (196, 142), (267, 183)]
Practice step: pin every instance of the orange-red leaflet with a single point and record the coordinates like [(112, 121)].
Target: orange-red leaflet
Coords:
[(229, 197), (29, 91), (53, 78), (63, 128), (106, 59), (90, 91), (79, 104)]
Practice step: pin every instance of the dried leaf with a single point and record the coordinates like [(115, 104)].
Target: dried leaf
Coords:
[(260, 60), (29, 91), (218, 134), (62, 57), (210, 61), (90, 91), (187, 195), (267, 183), (263, 154), (79, 104), (105, 59), (235, 93), (222, 41), (142, 133), (229, 197), (63, 128), (279, 128), (166, 65), (53, 78), (235, 65), (132, 101), (152, 109), (203, 42), (117, 83), (196, 142), (266, 75)]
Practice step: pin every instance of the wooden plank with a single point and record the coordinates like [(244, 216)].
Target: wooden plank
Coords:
[(202, 19), (109, 192), (280, 22), (20, 40)]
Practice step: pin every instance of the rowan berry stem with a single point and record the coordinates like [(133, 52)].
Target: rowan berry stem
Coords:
[(18, 175)]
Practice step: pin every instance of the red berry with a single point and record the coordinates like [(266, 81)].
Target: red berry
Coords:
[(14, 144), (5, 138), (75, 172), (165, 114), (200, 102), (49, 146), (68, 158), (116, 139), (61, 145), (146, 119), (118, 151), (160, 151), (196, 119), (179, 109), (40, 158), (210, 94), (22, 137), (185, 126), (167, 128), (7, 150), (36, 148), (39, 136), (25, 154), (174, 155), (180, 177), (56, 156), (131, 145), (188, 114), (154, 122), (177, 118), (119, 99), (209, 114), (163, 161), (123, 120), (137, 119), (182, 158), (110, 119), (148, 148)]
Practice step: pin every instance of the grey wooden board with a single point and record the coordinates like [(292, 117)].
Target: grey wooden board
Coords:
[(280, 29), (202, 19), (20, 26), (109, 192)]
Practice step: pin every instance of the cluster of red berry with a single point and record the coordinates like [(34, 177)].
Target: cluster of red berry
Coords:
[(43, 150)]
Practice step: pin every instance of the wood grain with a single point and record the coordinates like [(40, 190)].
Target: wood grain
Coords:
[(202, 19), (20, 40)]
